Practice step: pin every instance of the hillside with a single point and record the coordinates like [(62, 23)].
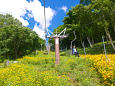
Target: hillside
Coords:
[(40, 70), (98, 48)]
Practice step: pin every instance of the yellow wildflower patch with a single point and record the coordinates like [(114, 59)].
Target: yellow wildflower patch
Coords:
[(104, 64), (19, 74), (37, 60)]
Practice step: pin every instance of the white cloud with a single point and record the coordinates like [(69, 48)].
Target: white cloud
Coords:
[(40, 32), (38, 13), (64, 8), (18, 8), (15, 8)]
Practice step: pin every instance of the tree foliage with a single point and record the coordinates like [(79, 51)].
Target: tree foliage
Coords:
[(90, 20), (85, 2), (15, 39)]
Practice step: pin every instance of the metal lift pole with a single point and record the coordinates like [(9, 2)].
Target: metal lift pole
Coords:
[(45, 25), (57, 50)]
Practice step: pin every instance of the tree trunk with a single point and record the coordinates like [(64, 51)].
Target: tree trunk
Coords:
[(89, 42), (15, 50), (114, 27), (108, 35), (107, 39), (82, 43), (81, 40), (92, 40), (84, 47), (105, 49)]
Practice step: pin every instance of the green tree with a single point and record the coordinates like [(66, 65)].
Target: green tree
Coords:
[(16, 40), (6, 20), (91, 21), (104, 10), (85, 2)]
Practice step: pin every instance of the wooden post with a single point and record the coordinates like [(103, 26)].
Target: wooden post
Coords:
[(57, 50)]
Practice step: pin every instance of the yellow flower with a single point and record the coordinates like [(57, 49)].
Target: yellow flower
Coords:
[(104, 66)]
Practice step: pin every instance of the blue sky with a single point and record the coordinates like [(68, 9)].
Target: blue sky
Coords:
[(30, 12), (57, 5)]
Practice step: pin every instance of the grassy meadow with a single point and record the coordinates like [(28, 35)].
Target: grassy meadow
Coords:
[(40, 70)]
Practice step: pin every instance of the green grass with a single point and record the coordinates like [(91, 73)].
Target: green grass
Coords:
[(79, 70), (97, 48)]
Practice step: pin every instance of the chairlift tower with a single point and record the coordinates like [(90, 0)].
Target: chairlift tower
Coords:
[(56, 38)]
